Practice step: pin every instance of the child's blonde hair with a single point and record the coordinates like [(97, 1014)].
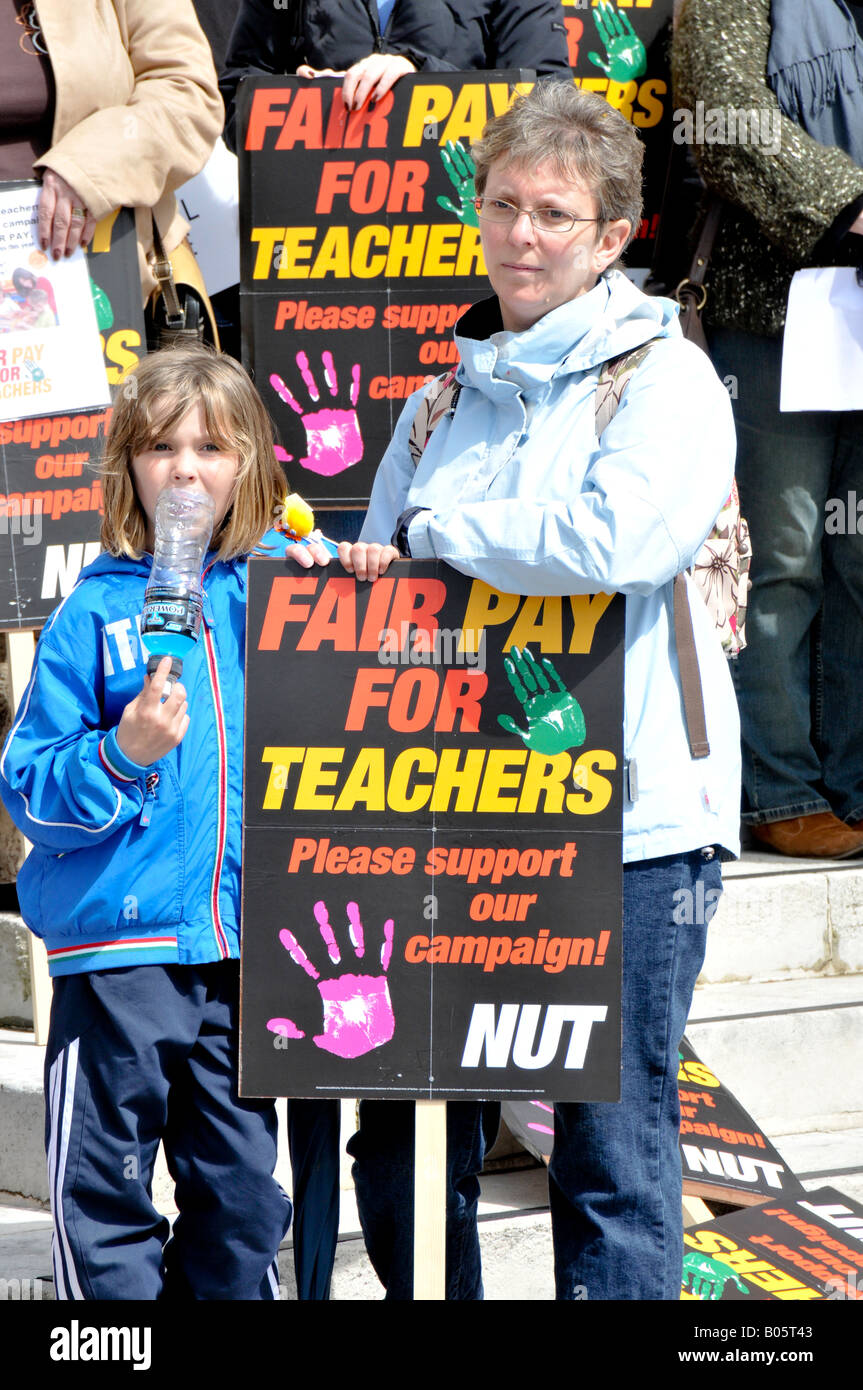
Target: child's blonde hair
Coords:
[(156, 395)]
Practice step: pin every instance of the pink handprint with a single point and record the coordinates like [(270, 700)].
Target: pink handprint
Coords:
[(542, 1129), (358, 1011), (333, 438)]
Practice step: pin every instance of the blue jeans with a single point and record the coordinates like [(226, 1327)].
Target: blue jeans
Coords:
[(799, 679), (615, 1183), (615, 1179)]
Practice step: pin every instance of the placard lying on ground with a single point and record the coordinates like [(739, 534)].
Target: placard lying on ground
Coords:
[(723, 1152), (793, 1249), (50, 492), (432, 855)]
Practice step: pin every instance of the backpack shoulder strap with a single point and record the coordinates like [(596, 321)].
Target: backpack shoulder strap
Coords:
[(441, 398), (690, 673), (613, 381)]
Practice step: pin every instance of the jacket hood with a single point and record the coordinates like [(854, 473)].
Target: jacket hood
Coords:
[(610, 319), (115, 564)]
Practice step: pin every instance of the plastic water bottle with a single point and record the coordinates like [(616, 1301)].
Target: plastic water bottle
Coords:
[(173, 601)]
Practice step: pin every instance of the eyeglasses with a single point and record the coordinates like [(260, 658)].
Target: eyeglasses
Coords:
[(545, 219)]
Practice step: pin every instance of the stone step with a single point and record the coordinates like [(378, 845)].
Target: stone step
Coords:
[(22, 1116), (515, 1233), (514, 1229), (16, 1005), (826, 1158), (789, 1050), (782, 918)]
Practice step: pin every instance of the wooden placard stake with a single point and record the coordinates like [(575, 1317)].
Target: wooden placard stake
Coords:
[(430, 1200)]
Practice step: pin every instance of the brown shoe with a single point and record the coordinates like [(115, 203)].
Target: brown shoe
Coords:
[(822, 836)]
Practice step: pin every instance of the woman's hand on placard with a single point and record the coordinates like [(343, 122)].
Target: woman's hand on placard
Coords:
[(63, 221), (369, 78), (366, 561), (372, 77)]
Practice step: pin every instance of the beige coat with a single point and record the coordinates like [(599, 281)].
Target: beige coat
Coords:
[(137, 108)]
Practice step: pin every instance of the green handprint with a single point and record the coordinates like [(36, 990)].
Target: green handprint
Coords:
[(102, 305), (627, 56), (459, 169), (554, 718), (707, 1278)]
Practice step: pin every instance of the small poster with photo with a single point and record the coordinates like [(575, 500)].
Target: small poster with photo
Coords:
[(50, 350)]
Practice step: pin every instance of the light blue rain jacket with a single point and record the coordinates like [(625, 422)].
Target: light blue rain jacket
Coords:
[(521, 494)]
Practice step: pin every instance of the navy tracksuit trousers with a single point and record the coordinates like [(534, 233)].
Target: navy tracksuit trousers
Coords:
[(136, 1056)]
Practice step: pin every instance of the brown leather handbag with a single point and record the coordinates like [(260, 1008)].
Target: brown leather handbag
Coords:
[(179, 309)]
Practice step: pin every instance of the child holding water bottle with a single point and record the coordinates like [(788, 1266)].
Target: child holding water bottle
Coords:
[(131, 798)]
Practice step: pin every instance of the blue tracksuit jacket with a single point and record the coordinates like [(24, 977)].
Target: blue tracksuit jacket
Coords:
[(130, 865)]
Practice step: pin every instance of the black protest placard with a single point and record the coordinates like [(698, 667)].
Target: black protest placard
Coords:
[(359, 249), (794, 1249), (724, 1154), (360, 245), (432, 844), (50, 492), (620, 50)]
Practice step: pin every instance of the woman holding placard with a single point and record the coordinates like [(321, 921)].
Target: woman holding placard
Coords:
[(515, 487)]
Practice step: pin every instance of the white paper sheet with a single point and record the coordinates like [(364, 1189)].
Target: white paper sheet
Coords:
[(50, 352), (822, 352), (210, 202)]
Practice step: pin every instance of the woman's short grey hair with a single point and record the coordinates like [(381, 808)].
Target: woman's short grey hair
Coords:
[(583, 138)]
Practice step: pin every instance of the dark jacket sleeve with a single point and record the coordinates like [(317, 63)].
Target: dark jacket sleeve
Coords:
[(264, 42), (511, 34)]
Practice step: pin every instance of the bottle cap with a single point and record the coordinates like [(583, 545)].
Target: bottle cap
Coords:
[(174, 674)]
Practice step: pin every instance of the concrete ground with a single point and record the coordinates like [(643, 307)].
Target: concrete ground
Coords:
[(515, 1232)]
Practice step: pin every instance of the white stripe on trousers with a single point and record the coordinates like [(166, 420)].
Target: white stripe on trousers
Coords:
[(61, 1103)]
